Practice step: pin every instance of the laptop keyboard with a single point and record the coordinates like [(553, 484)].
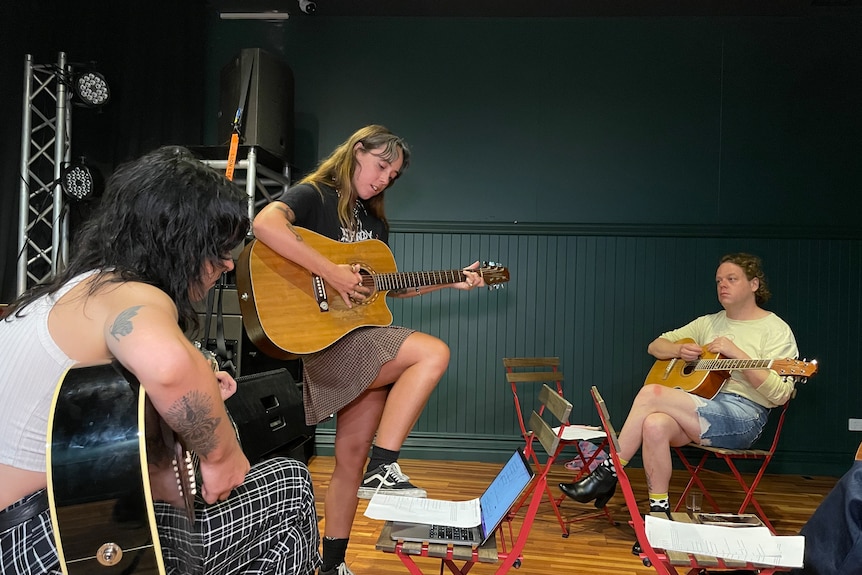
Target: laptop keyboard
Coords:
[(450, 533)]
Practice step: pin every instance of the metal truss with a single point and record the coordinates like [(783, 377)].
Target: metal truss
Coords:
[(43, 228)]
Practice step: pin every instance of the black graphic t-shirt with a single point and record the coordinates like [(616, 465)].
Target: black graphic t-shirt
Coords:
[(318, 212)]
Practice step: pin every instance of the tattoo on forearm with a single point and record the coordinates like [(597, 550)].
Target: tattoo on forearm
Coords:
[(191, 417), (123, 324)]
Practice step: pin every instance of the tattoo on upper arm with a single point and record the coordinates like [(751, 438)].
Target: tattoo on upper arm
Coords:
[(191, 417), (284, 209), (123, 323)]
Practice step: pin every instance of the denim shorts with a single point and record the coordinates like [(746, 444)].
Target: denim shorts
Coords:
[(730, 421)]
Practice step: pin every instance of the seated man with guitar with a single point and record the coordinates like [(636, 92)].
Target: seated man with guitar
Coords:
[(663, 415), (376, 378), (160, 238)]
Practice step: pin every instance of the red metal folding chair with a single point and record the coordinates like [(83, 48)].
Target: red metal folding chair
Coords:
[(665, 562), (506, 547), (545, 371), (729, 456)]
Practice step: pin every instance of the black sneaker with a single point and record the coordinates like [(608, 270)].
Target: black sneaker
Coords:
[(388, 479), (659, 508), (340, 569)]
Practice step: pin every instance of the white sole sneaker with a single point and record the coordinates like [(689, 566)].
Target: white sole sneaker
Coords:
[(368, 492)]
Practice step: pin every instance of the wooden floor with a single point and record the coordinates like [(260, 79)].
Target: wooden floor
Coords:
[(595, 547)]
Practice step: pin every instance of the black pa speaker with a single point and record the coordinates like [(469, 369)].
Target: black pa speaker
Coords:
[(267, 119), (269, 416)]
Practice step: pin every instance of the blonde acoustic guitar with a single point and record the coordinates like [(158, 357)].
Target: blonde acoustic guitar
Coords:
[(288, 311), (705, 376)]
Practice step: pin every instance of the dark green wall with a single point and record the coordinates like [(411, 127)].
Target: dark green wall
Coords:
[(696, 121), (609, 163)]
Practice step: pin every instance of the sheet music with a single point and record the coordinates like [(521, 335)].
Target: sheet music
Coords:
[(754, 544), (422, 510)]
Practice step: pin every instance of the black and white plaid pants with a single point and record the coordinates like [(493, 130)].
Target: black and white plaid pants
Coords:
[(267, 526)]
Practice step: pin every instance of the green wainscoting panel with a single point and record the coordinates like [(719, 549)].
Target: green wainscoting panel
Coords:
[(596, 301)]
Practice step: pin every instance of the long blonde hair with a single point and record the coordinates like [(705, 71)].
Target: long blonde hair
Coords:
[(337, 170)]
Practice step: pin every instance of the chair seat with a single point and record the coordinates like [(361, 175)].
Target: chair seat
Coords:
[(578, 433), (486, 553), (738, 453)]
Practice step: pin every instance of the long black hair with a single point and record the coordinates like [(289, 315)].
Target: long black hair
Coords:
[(161, 218)]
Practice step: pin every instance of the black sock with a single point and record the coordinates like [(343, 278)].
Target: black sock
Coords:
[(380, 456), (334, 550)]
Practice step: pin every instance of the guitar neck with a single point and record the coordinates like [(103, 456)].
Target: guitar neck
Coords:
[(728, 364), (401, 280)]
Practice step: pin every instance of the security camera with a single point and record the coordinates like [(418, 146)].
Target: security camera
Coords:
[(307, 6)]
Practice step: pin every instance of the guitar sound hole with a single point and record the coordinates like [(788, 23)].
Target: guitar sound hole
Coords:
[(687, 369)]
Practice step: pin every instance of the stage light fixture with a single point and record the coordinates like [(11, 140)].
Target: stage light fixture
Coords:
[(79, 181), (91, 88)]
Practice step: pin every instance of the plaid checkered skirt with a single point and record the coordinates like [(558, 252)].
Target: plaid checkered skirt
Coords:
[(343, 371)]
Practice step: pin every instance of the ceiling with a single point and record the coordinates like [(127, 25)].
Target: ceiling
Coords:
[(545, 8)]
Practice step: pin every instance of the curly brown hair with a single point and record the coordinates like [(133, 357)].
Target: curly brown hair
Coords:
[(753, 268)]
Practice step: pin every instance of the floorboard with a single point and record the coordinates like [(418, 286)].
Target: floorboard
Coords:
[(595, 547)]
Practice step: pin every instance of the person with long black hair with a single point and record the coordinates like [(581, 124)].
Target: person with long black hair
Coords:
[(160, 238)]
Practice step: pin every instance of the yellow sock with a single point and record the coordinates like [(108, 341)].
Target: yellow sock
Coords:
[(659, 502), (624, 462)]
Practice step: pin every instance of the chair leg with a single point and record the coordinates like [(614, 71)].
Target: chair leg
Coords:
[(408, 562), (694, 478), (749, 490)]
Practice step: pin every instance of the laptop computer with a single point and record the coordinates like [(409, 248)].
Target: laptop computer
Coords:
[(494, 503)]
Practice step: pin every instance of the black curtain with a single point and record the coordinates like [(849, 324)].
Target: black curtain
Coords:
[(152, 55)]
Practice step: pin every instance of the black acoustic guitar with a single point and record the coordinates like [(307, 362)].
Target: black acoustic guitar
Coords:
[(108, 453)]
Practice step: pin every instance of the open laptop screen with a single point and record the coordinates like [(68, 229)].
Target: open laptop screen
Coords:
[(503, 491)]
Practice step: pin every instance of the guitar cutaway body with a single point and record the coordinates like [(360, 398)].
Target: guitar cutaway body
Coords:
[(98, 487), (287, 311)]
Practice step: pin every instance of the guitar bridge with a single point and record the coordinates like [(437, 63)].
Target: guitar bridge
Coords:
[(669, 368), (320, 293)]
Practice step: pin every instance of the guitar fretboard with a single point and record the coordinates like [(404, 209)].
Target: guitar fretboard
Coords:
[(728, 364), (400, 280)]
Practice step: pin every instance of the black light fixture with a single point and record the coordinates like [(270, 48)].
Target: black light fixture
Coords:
[(79, 181), (91, 88)]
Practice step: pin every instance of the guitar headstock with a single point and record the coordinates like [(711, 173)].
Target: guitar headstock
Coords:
[(799, 368), (494, 275)]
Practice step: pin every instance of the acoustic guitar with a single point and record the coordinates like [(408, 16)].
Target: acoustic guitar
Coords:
[(705, 376), (289, 311), (108, 450)]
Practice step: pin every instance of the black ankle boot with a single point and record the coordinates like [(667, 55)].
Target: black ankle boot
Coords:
[(600, 485)]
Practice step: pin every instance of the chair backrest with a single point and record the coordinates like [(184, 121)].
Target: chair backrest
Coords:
[(531, 370), (560, 408), (659, 562), (780, 423), (552, 403)]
